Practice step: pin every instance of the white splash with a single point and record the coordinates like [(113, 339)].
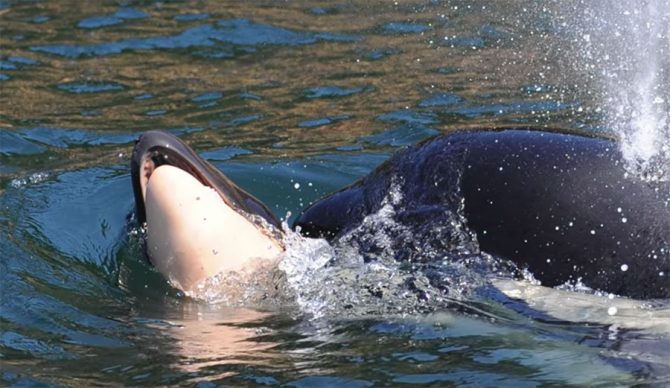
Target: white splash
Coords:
[(327, 279), (641, 119), (32, 179), (626, 55), (304, 263)]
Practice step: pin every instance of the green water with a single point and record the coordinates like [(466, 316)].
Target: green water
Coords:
[(292, 100)]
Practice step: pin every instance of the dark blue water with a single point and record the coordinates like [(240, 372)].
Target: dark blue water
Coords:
[(292, 100)]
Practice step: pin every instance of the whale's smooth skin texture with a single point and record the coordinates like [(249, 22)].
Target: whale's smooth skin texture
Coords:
[(199, 223), (562, 205)]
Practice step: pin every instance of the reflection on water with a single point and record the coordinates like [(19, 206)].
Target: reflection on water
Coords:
[(205, 337), (292, 100)]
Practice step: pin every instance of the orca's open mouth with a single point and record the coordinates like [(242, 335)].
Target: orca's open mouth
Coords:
[(156, 148)]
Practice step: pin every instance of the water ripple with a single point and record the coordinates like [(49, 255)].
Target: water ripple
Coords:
[(404, 28), (313, 123), (90, 87), (403, 135), (64, 137), (6, 65), (441, 99), (191, 17), (13, 144), (514, 107), (206, 97), (332, 91), (232, 31), (110, 20), (225, 153), (409, 117)]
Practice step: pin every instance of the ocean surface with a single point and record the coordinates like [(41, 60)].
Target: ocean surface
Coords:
[(293, 100)]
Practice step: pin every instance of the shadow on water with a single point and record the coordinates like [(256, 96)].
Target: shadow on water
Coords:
[(292, 101)]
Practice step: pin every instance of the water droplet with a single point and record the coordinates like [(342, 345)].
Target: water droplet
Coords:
[(624, 267), (296, 186), (612, 310)]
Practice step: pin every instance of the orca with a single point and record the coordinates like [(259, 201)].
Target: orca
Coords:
[(198, 222), (562, 205)]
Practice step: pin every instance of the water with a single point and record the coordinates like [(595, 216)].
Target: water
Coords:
[(292, 101)]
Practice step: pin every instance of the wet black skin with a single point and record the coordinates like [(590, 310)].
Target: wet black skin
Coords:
[(559, 204), (158, 148)]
